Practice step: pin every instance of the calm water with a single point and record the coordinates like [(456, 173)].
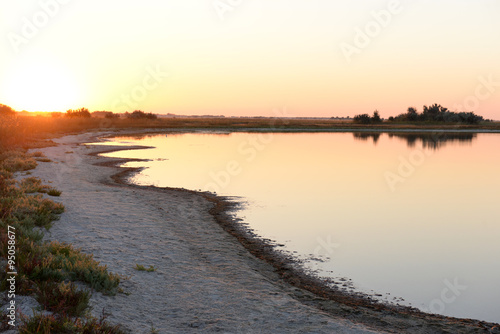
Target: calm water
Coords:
[(400, 216)]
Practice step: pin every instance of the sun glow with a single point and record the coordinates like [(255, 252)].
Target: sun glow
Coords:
[(41, 86), (250, 59)]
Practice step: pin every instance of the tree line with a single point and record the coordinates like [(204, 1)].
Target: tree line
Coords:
[(136, 114), (430, 114), (85, 113)]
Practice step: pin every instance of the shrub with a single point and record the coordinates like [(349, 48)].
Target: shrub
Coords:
[(63, 298), (363, 119), (376, 117), (140, 267), (138, 114), (34, 210), (54, 192), (440, 114), (79, 266), (47, 324), (38, 154), (32, 185), (15, 162), (6, 110), (366, 119), (82, 112), (111, 116)]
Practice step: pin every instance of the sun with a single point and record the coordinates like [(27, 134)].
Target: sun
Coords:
[(41, 86)]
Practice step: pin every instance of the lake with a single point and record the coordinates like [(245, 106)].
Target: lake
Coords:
[(406, 217)]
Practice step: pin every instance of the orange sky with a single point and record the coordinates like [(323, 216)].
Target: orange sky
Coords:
[(314, 57)]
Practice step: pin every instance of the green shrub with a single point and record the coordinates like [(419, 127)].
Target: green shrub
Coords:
[(140, 267), (62, 298), (50, 324), (79, 266), (54, 192), (32, 185), (34, 210), (38, 154)]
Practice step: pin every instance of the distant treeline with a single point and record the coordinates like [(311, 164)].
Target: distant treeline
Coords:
[(140, 114), (430, 114), (85, 113)]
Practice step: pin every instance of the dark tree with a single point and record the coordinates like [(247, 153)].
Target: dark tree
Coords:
[(376, 117), (439, 114), (434, 113), (82, 112), (111, 115), (6, 110), (363, 119), (412, 114), (137, 114)]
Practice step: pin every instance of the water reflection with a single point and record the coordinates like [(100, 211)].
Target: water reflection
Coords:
[(364, 136), (430, 140)]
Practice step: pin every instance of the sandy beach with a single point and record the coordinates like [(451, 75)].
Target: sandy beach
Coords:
[(205, 279)]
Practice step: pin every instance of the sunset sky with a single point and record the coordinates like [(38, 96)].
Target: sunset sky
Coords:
[(250, 57)]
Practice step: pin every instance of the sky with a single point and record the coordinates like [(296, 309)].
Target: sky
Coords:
[(316, 58)]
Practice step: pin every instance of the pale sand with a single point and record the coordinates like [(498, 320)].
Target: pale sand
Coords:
[(205, 281)]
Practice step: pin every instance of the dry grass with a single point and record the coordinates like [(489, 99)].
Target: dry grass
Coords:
[(43, 268)]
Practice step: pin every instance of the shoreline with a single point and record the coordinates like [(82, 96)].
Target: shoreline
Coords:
[(439, 130), (356, 306), (284, 295)]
